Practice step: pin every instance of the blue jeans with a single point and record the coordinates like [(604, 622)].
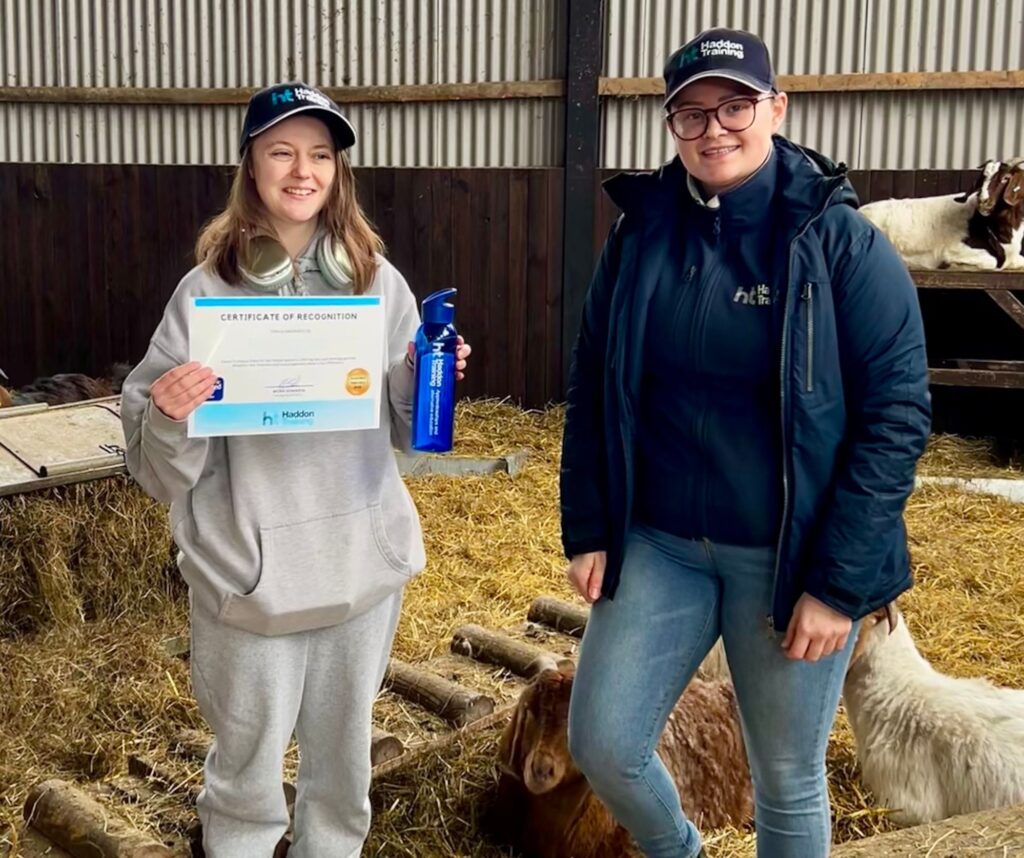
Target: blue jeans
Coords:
[(675, 597)]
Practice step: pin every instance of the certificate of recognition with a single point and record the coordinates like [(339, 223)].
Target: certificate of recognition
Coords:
[(309, 364)]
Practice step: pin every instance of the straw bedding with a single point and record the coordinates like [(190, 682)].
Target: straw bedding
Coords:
[(87, 597)]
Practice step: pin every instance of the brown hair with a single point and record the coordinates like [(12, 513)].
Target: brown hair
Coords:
[(244, 218)]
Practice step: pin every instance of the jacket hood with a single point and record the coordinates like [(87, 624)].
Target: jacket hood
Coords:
[(805, 180)]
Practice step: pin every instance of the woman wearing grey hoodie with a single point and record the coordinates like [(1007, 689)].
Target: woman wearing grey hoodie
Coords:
[(295, 547)]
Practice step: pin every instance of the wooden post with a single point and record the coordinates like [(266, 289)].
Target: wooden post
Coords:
[(81, 825), (482, 644), (449, 700), (582, 145), (561, 616)]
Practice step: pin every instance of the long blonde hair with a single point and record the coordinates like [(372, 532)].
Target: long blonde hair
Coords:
[(245, 217)]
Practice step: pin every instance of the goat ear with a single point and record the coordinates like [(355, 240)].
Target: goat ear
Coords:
[(1013, 193), (510, 746)]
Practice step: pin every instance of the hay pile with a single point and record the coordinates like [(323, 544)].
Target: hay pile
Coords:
[(80, 697), (81, 552)]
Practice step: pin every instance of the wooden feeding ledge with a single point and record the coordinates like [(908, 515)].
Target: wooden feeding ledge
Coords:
[(999, 286)]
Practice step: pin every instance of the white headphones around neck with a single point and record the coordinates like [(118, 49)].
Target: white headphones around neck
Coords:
[(265, 265)]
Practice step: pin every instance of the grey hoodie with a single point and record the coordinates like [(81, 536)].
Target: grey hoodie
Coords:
[(291, 532)]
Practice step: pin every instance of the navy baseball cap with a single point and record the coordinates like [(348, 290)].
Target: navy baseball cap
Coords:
[(276, 103), (733, 54)]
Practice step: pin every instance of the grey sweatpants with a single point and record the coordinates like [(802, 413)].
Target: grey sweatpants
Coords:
[(254, 691)]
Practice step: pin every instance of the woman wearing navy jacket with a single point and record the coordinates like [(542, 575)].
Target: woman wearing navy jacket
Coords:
[(748, 399)]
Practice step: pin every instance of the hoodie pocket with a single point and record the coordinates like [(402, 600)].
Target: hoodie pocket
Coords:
[(319, 573)]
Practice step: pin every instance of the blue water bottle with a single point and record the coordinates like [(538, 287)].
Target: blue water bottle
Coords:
[(433, 404)]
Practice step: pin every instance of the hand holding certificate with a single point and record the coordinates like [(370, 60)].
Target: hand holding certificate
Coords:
[(288, 364)]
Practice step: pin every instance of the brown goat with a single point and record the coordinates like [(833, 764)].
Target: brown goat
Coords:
[(64, 388), (544, 805)]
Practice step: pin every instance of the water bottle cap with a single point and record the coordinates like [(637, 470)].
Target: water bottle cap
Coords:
[(437, 310)]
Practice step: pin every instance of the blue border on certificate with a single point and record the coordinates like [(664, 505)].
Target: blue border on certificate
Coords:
[(340, 301)]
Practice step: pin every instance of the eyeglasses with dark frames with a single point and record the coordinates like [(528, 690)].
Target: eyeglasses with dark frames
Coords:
[(736, 114)]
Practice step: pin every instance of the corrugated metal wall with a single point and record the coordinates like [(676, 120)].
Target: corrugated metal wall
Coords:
[(227, 43), (875, 130)]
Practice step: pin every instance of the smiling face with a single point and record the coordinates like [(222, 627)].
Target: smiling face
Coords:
[(720, 159), (294, 165)]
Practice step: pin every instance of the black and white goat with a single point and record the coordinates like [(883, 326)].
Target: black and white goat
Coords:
[(981, 228)]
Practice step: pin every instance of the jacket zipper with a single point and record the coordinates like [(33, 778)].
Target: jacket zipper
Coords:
[(809, 301), (782, 395)]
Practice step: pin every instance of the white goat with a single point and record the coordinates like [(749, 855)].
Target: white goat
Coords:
[(982, 229), (930, 746)]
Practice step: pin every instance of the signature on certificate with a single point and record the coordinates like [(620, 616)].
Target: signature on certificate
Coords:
[(293, 381)]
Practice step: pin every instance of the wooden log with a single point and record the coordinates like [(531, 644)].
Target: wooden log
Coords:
[(496, 720), (192, 744), (561, 616), (133, 790), (195, 744), (520, 658), (76, 822), (990, 832), (384, 747), (157, 776), (179, 646), (25, 842), (458, 705)]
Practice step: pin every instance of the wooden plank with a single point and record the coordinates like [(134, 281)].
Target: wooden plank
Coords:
[(992, 833), (558, 349), (499, 368), (858, 82), (40, 252), (421, 275), (905, 184), (49, 439), (582, 140), (995, 365), (987, 280), (516, 248), (477, 257), (15, 298), (1010, 303), (883, 184), (402, 240), (977, 378), (441, 235), (400, 94), (503, 90), (537, 268)]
